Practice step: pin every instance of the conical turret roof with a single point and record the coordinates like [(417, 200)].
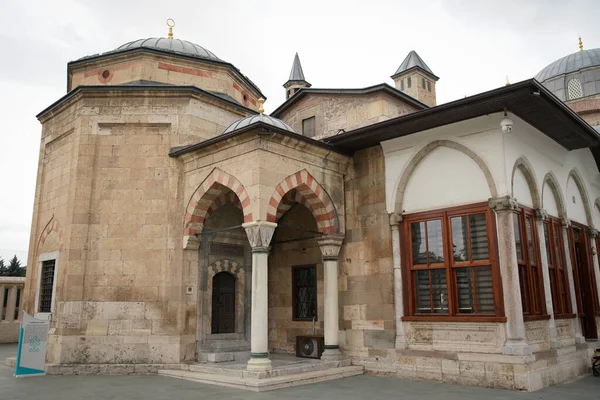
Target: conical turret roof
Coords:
[(413, 60), (296, 74)]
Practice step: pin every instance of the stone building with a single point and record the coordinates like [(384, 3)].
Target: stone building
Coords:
[(174, 222), (11, 289)]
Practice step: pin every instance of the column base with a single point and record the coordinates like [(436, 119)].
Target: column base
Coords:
[(555, 344), (331, 354), (516, 348), (259, 363), (579, 339), (401, 343)]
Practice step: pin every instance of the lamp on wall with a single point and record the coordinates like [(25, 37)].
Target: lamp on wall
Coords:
[(506, 124)]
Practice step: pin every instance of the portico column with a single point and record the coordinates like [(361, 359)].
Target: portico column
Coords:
[(540, 216), (1, 300), (12, 303), (395, 220), (595, 266), (330, 248), (515, 327), (578, 335), (259, 235)]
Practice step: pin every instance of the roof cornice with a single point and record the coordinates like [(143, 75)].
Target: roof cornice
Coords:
[(136, 50), (367, 90), (136, 89)]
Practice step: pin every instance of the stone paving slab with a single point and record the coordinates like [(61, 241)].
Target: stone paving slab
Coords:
[(360, 387)]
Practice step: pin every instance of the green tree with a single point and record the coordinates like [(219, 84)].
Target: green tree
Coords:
[(2, 267), (14, 268)]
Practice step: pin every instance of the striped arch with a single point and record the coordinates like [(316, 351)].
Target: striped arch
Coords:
[(52, 226), (303, 188), (217, 189), (574, 173), (226, 266)]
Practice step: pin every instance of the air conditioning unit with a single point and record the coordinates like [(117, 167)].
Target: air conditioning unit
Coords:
[(309, 346)]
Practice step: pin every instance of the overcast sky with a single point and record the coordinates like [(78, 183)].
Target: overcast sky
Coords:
[(470, 44)]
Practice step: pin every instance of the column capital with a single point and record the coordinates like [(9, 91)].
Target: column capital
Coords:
[(564, 221), (503, 203), (541, 214), (191, 242), (592, 232), (330, 246), (395, 219), (259, 233)]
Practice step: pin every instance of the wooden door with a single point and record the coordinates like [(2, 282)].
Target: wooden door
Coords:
[(584, 286), (223, 303)]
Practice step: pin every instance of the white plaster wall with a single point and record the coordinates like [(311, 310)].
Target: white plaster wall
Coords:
[(481, 135), (521, 189), (545, 155), (446, 177), (575, 208), (549, 202)]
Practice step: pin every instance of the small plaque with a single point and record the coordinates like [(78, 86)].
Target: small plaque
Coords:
[(227, 249)]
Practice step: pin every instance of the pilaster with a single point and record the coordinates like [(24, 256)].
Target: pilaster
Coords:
[(330, 248), (395, 220)]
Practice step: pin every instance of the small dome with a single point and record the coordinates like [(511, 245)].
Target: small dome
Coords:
[(171, 45), (571, 63), (253, 119)]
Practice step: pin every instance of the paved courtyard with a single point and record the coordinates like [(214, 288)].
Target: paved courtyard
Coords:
[(361, 387)]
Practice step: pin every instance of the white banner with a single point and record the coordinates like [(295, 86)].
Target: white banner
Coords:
[(33, 338)]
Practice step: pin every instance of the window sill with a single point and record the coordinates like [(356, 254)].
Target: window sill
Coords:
[(535, 317), (564, 316), (453, 318)]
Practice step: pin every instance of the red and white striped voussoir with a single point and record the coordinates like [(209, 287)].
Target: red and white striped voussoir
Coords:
[(303, 188), (217, 189), (52, 226)]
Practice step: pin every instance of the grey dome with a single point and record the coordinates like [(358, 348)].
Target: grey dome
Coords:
[(571, 63), (253, 119), (171, 45)]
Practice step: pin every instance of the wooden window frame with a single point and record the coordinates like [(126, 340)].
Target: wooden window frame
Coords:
[(557, 269), (534, 303), (294, 292), (450, 265)]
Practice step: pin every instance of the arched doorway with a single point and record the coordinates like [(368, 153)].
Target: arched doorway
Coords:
[(223, 303)]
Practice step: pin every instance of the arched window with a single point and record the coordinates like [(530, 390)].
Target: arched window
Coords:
[(574, 89)]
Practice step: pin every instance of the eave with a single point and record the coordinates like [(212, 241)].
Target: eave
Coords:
[(262, 129), (529, 100), (383, 87), (129, 52), (141, 88)]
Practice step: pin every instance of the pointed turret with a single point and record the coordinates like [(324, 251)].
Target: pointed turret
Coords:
[(296, 80), (416, 79)]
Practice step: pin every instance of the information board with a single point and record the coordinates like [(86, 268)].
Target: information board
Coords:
[(31, 354)]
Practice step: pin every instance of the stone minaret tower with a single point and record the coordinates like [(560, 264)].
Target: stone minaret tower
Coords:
[(414, 78), (296, 80)]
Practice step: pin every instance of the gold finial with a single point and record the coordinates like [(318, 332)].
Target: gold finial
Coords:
[(507, 82), (170, 24), (580, 44), (261, 110)]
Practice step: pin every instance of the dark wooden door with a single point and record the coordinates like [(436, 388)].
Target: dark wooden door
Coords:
[(223, 303), (583, 275)]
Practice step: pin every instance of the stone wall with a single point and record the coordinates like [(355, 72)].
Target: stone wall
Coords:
[(166, 69), (108, 198), (365, 262), (344, 112), (416, 89)]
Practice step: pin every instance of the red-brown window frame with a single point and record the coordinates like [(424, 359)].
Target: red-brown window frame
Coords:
[(445, 215), (557, 269), (532, 295)]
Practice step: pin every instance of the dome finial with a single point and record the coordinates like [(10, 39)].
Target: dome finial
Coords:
[(580, 44), (170, 24), (507, 82), (261, 110)]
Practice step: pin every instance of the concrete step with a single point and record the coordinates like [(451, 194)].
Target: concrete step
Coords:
[(269, 383)]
